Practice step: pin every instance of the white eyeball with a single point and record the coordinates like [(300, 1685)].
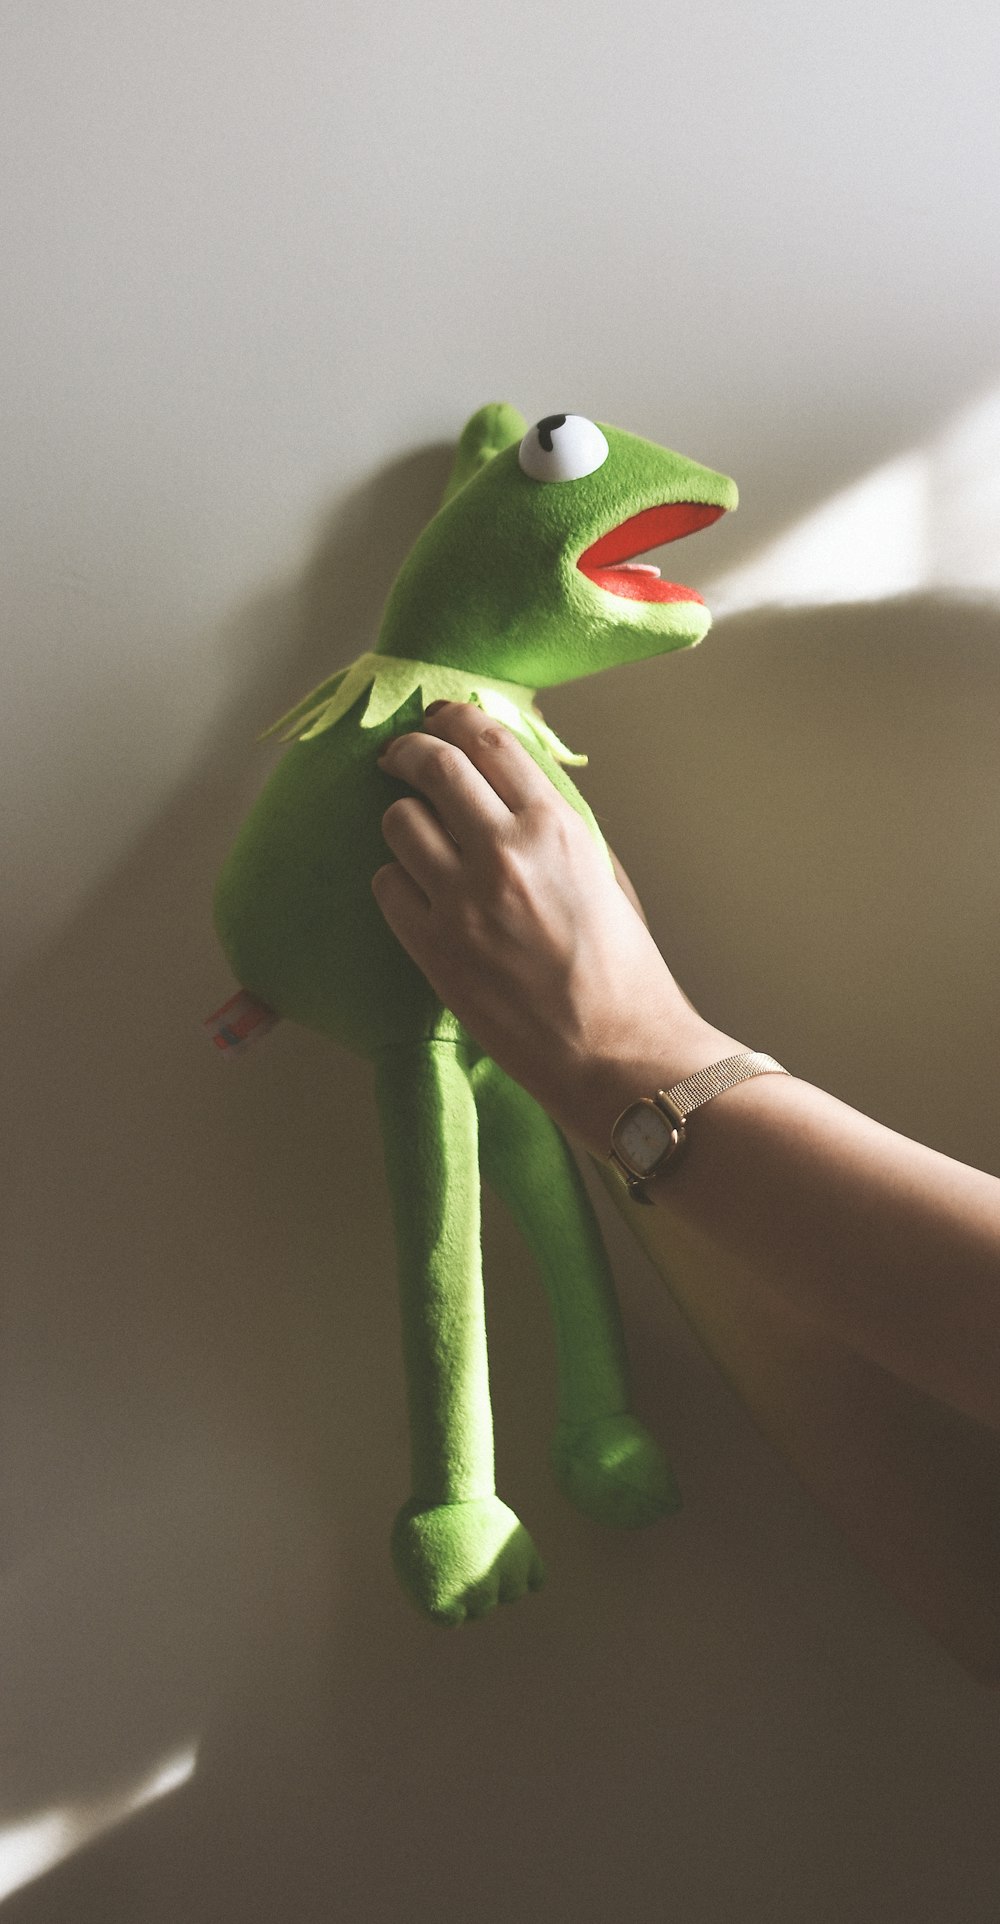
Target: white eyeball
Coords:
[(563, 447)]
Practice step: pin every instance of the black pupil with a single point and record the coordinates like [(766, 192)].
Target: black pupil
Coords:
[(547, 427)]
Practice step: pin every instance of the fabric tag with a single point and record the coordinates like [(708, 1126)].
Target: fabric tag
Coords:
[(239, 1023)]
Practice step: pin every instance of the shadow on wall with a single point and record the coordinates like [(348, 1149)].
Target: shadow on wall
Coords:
[(205, 1435), (140, 1543)]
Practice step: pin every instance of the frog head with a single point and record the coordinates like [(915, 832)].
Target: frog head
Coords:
[(529, 572)]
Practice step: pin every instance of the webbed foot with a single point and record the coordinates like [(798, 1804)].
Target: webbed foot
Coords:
[(613, 1471), (459, 1560)]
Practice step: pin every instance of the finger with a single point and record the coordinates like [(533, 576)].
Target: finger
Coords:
[(626, 886), (402, 902), (493, 749), (462, 798), (421, 844)]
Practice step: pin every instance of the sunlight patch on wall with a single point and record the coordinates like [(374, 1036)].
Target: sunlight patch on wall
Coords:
[(30, 1848), (925, 523)]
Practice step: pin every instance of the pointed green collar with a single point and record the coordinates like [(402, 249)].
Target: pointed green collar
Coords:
[(391, 679)]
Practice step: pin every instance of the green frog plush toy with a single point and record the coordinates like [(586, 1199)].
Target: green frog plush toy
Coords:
[(524, 578)]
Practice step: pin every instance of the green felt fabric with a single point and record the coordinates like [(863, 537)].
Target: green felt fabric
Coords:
[(489, 607)]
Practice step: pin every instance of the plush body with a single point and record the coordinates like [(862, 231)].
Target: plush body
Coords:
[(519, 581)]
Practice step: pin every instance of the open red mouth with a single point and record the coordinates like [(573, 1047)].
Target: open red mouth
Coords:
[(610, 562)]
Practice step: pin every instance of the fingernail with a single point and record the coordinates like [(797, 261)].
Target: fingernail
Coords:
[(433, 706)]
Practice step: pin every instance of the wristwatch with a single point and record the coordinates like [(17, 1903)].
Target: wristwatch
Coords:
[(652, 1131)]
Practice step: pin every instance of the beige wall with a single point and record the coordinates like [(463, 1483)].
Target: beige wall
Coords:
[(260, 263)]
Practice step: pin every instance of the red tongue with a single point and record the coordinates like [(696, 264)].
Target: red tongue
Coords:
[(631, 585), (650, 529)]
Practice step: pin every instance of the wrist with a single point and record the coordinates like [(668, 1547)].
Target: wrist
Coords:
[(653, 1061)]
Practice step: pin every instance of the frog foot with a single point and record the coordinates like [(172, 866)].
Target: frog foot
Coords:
[(613, 1471), (459, 1560)]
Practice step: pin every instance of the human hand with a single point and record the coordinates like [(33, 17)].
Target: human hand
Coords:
[(504, 900)]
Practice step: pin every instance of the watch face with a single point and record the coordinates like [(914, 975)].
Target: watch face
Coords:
[(642, 1135)]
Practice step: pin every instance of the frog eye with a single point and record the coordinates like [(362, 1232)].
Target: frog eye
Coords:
[(563, 447)]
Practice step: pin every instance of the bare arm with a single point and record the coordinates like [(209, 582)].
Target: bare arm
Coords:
[(882, 1243)]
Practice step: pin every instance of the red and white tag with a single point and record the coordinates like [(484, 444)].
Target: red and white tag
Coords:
[(239, 1023)]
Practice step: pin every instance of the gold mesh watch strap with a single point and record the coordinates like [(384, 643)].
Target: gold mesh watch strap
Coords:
[(705, 1083), (676, 1104)]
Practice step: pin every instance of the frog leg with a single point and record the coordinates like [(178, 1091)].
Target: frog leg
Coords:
[(457, 1549), (605, 1461)]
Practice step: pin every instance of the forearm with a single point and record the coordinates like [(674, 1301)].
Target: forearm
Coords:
[(786, 1194)]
